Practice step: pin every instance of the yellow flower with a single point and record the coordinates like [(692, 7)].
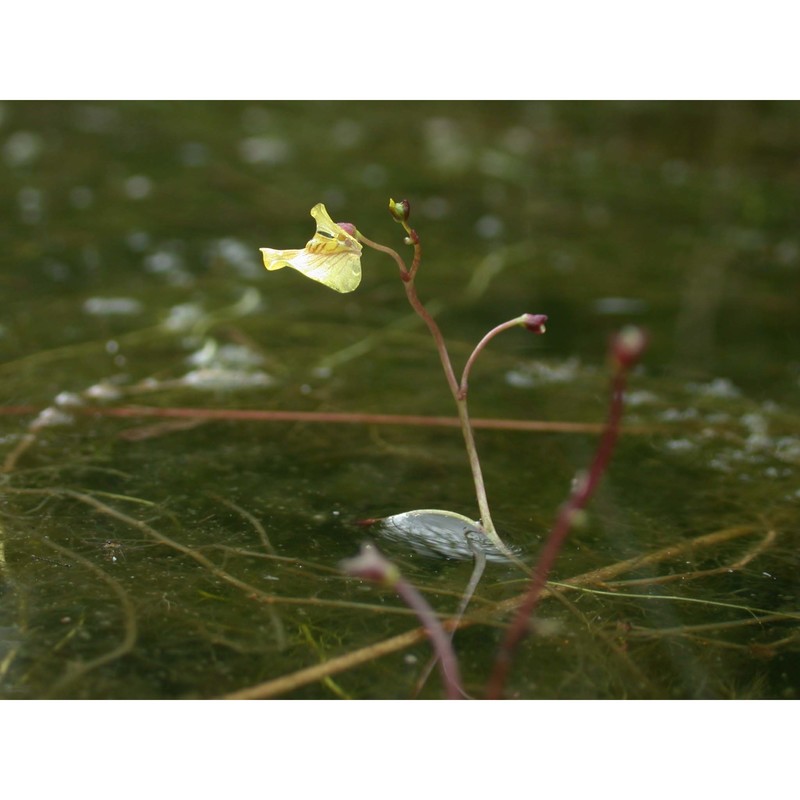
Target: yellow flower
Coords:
[(332, 256)]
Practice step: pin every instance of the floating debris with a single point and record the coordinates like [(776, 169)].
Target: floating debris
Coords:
[(269, 150), (137, 187), (221, 378), (641, 397), (51, 417), (238, 255), (112, 306), (538, 373), (22, 148), (719, 387), (679, 445), (183, 317), (68, 400), (619, 305), (213, 354), (103, 391)]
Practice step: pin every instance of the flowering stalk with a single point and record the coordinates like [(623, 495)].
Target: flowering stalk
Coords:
[(400, 211), (333, 257), (626, 349), (371, 565), (532, 322)]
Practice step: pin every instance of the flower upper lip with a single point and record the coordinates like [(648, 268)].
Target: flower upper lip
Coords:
[(332, 256)]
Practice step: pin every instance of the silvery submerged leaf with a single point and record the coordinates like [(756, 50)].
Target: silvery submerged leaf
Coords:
[(433, 532)]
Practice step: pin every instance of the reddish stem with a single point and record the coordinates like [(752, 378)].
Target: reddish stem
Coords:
[(440, 641), (523, 320), (578, 500), (325, 417), (371, 564)]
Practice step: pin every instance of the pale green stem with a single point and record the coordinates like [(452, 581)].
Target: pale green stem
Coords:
[(474, 580), (461, 402)]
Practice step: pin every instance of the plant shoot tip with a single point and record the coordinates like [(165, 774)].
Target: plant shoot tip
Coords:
[(628, 346), (536, 323), (400, 210), (371, 565), (412, 238)]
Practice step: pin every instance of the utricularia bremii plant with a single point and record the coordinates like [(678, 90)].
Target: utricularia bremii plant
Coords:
[(333, 257)]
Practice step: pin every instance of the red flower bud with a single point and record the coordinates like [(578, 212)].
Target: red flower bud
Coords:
[(535, 323)]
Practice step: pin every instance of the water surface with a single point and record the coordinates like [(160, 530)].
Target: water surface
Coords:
[(182, 557)]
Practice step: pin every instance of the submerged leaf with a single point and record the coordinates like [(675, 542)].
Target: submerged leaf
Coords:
[(433, 532)]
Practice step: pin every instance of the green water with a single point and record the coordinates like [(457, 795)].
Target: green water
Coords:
[(146, 557)]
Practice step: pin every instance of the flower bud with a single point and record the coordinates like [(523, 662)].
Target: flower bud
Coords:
[(400, 210), (627, 346), (348, 227), (412, 238), (535, 323), (371, 565)]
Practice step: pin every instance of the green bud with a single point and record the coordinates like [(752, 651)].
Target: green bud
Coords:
[(399, 210)]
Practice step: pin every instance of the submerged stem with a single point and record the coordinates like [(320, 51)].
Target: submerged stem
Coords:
[(472, 585), (370, 564)]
